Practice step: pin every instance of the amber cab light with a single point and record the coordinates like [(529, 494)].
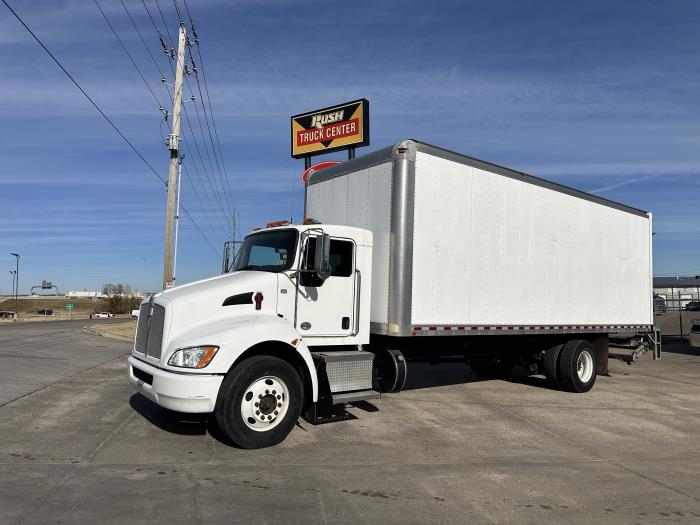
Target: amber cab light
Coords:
[(277, 224)]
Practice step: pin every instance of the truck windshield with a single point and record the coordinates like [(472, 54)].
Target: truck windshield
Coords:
[(271, 251)]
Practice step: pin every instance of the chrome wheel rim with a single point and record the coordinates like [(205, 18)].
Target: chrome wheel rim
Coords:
[(265, 403), (584, 366)]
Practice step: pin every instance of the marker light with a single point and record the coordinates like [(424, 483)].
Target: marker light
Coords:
[(193, 357), (276, 224)]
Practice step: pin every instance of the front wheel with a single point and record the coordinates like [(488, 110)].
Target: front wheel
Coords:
[(259, 402)]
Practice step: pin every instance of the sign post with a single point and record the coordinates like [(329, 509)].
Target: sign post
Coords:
[(69, 307), (335, 128)]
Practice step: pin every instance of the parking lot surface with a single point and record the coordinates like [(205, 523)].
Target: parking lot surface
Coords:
[(83, 448)]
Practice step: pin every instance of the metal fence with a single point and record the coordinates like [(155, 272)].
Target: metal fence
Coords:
[(671, 314)]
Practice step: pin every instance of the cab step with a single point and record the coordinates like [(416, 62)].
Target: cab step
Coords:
[(344, 377), (350, 397)]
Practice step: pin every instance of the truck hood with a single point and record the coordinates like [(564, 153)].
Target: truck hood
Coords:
[(202, 302)]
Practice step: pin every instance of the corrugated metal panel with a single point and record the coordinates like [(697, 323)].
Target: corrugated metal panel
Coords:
[(493, 250)]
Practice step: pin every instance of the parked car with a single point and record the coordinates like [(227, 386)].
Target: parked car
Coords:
[(694, 336), (102, 315), (134, 314), (693, 306), (7, 315), (45, 311)]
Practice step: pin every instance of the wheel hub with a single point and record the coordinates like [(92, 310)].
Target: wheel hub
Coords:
[(584, 366), (268, 404), (265, 403)]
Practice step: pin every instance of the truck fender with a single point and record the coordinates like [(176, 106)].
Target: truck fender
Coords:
[(239, 335)]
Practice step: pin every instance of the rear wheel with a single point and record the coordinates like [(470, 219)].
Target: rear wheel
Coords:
[(259, 402), (550, 362), (577, 366)]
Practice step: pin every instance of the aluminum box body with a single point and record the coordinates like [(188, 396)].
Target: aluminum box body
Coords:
[(462, 246)]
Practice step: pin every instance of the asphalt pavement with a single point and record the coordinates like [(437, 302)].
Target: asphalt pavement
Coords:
[(37, 354), (83, 448)]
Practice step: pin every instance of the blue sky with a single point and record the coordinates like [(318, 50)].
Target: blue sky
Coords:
[(599, 95)]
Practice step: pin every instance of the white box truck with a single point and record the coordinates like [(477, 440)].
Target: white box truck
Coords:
[(409, 253)]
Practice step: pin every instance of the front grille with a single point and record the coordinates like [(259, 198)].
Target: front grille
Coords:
[(142, 328), (149, 330), (155, 332)]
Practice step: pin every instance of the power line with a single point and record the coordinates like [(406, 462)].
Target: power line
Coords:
[(160, 36), (211, 138), (187, 82), (208, 97), (102, 113), (213, 121), (221, 224), (126, 51), (145, 45), (177, 10), (201, 205), (133, 62)]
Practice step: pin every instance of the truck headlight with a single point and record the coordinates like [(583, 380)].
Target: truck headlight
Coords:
[(193, 357)]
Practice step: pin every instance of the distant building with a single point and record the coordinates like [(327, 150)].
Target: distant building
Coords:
[(83, 293), (676, 291)]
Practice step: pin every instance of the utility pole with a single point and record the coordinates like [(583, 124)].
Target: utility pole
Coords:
[(177, 219), (173, 146), (17, 256)]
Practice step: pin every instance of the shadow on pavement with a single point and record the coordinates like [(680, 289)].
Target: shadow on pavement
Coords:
[(423, 375), (674, 345), (176, 422)]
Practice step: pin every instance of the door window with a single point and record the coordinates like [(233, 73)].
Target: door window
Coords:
[(341, 258), (340, 261)]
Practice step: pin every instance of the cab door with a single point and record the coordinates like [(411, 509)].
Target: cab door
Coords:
[(327, 308)]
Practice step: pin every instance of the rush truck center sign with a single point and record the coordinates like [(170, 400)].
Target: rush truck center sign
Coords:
[(331, 129)]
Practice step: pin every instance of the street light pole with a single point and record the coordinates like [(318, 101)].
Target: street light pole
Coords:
[(17, 256), (12, 273)]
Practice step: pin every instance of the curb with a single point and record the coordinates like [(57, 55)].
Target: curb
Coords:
[(107, 336)]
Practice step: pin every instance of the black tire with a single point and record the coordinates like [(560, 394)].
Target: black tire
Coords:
[(231, 396), (576, 354), (491, 370), (550, 364)]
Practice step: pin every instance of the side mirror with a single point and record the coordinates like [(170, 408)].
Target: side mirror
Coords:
[(322, 256)]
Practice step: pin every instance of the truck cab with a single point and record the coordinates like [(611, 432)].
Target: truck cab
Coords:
[(240, 344)]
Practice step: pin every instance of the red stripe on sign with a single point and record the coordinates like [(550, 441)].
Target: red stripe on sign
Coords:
[(448, 328), (432, 328), (417, 328), (460, 328), (335, 131), (474, 328)]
